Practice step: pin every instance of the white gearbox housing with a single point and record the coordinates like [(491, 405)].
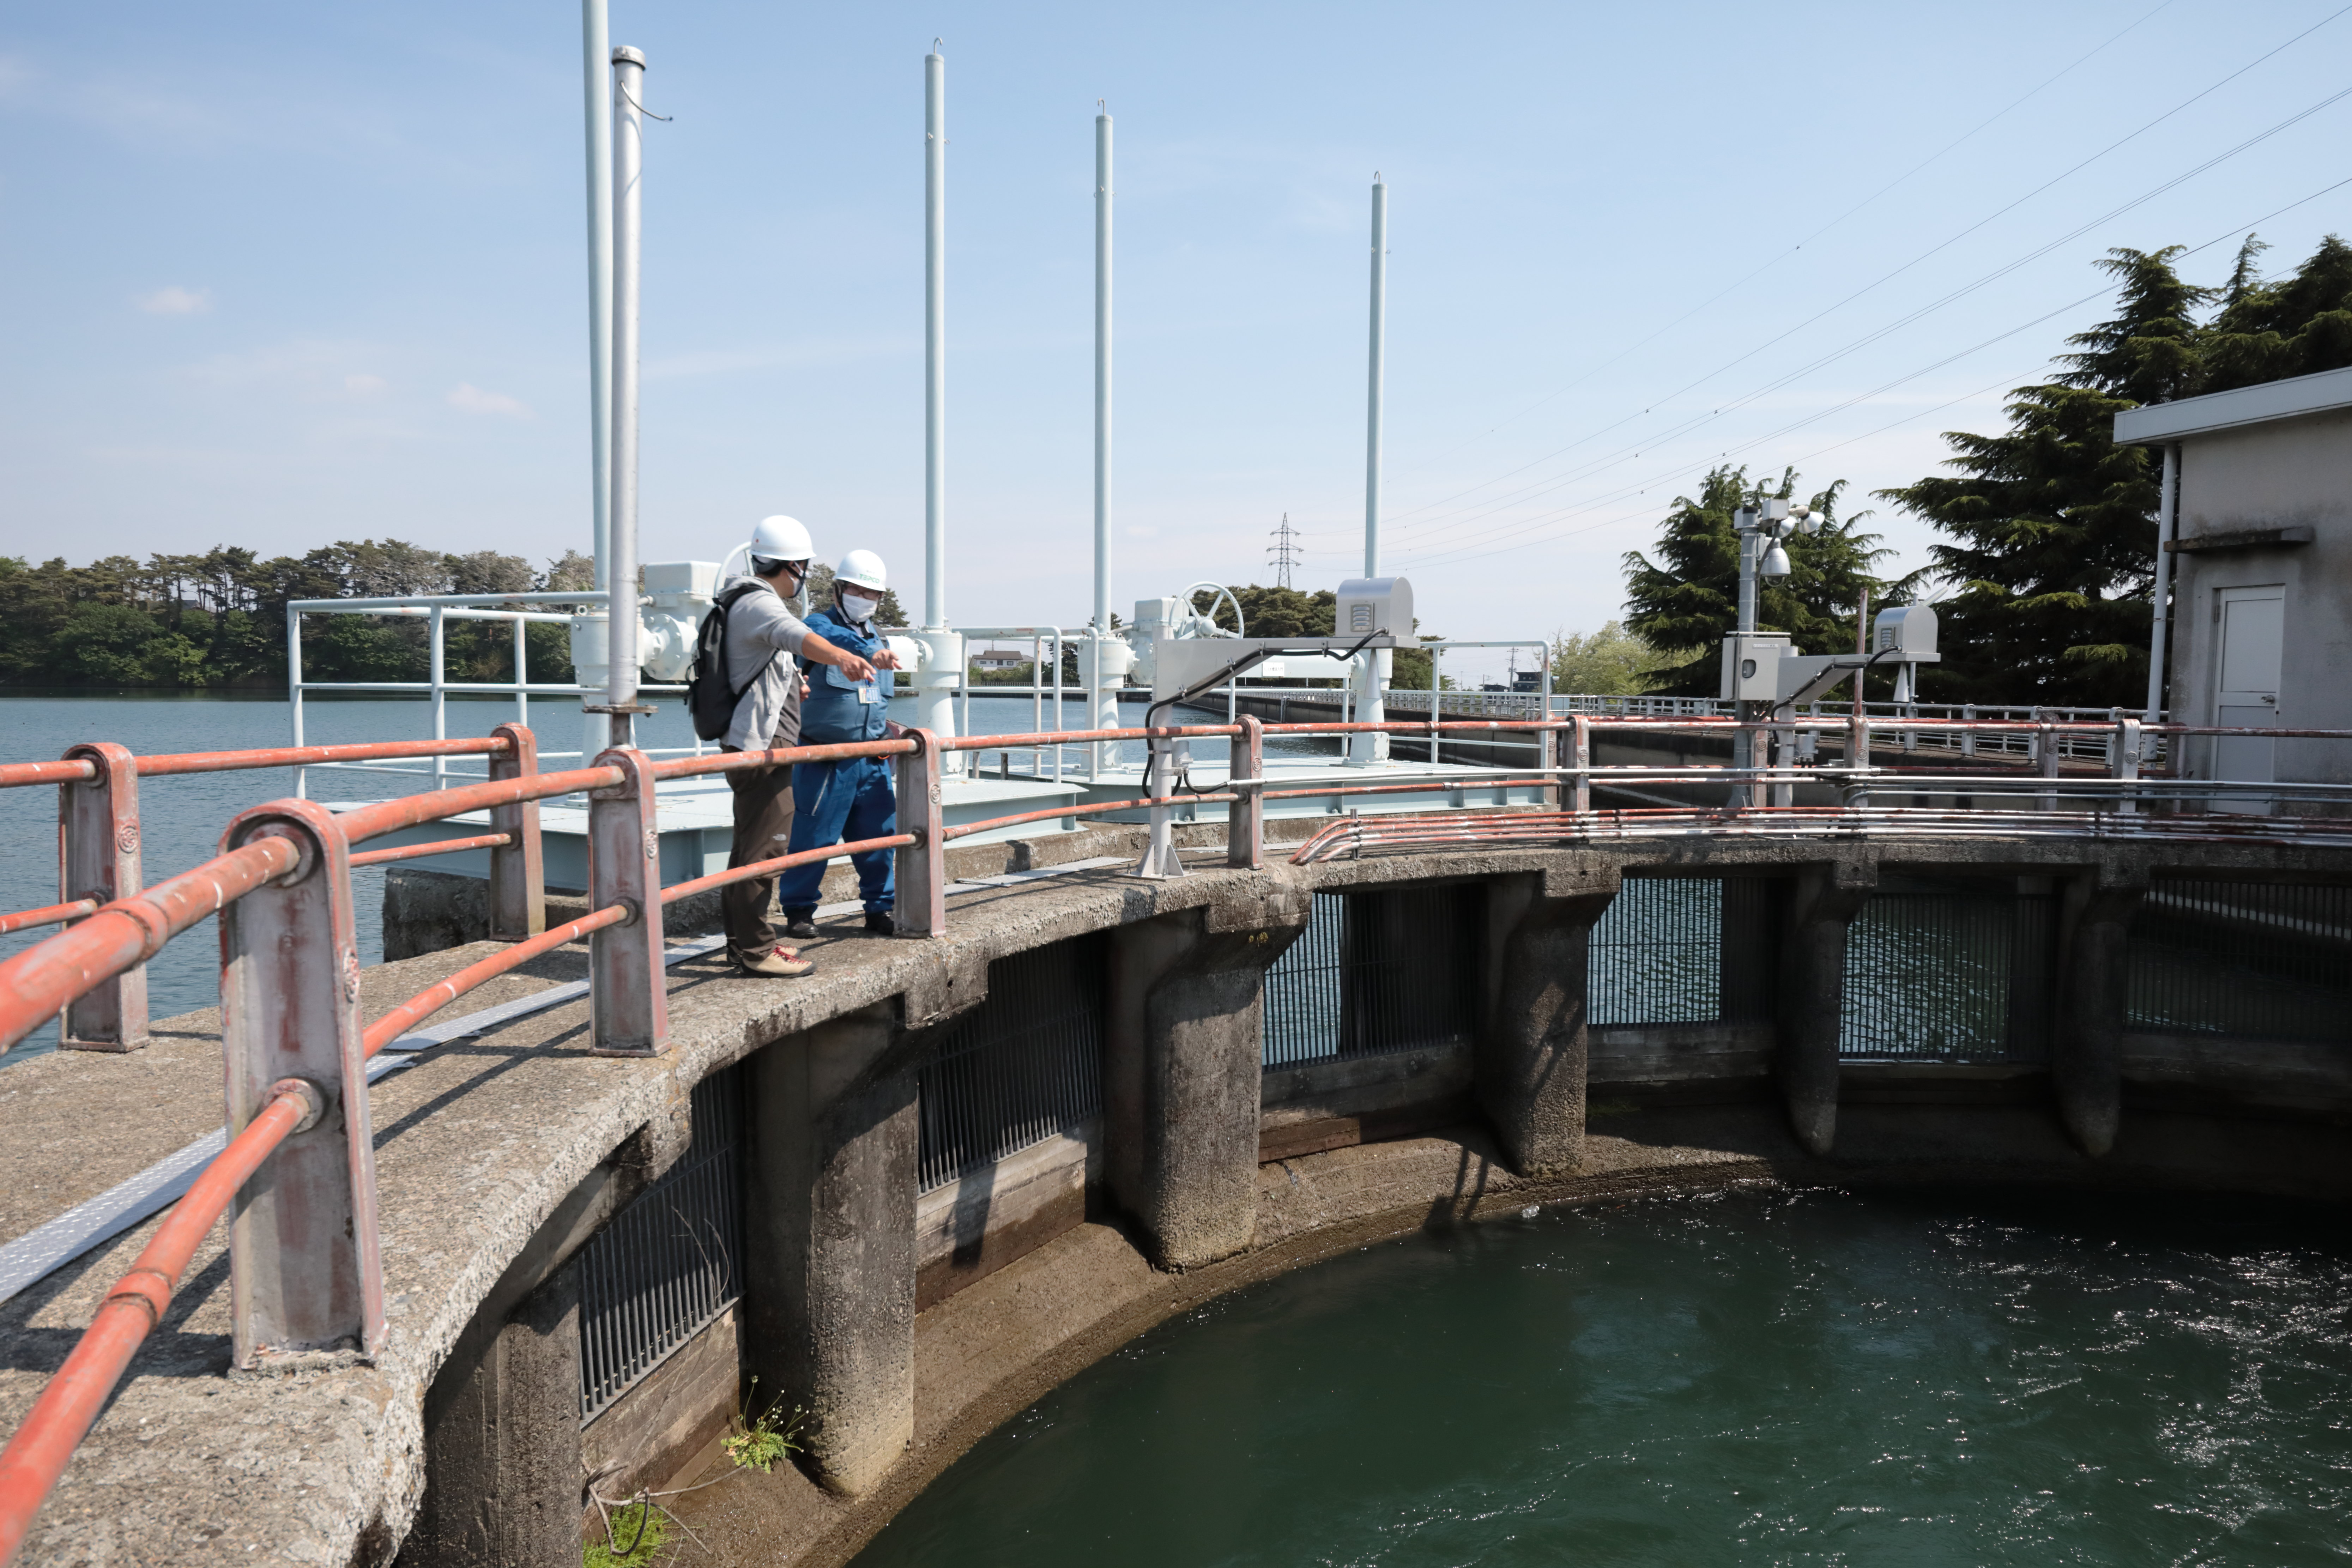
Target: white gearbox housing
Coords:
[(678, 594)]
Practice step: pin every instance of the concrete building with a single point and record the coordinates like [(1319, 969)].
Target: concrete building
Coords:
[(2258, 543)]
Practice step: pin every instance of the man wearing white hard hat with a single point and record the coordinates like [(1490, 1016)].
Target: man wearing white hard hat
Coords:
[(850, 800), (765, 636)]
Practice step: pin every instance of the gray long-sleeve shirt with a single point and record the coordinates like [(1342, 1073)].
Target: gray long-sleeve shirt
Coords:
[(762, 631)]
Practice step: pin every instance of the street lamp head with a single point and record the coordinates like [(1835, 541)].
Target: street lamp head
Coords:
[(1775, 562)]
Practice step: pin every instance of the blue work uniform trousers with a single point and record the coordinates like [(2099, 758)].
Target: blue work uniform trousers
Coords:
[(841, 802)]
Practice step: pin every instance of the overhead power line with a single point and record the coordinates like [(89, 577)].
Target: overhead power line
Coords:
[(1749, 278), (1634, 451), (1398, 519), (1462, 552)]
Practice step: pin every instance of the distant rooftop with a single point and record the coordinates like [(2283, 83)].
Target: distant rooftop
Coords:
[(2330, 389)]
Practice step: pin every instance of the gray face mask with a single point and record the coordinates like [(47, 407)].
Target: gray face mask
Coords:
[(859, 606)]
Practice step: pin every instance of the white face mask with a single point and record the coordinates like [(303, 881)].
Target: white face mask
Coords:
[(859, 606)]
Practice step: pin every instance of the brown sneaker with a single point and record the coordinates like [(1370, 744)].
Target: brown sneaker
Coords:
[(776, 963)]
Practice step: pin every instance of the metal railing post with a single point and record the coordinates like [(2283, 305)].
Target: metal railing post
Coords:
[(306, 1276), (97, 857), (2048, 753), (438, 669), (921, 906), (1857, 756), (628, 1005), (2126, 751), (1580, 759), (1969, 739), (1245, 818), (518, 874)]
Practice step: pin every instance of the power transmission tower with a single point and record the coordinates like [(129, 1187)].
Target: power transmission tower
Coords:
[(1285, 553)]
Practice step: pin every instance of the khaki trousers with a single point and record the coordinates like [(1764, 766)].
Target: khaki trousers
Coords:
[(763, 830)]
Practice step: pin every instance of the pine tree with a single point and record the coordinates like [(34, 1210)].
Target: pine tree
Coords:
[(2053, 525), (1688, 599), (2299, 325)]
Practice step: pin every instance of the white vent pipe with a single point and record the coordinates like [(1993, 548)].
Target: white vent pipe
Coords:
[(629, 163), (1371, 708), (942, 669)]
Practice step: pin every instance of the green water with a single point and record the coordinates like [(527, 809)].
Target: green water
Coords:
[(1958, 1378)]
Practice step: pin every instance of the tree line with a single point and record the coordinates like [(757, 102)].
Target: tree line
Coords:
[(2044, 577), (218, 620)]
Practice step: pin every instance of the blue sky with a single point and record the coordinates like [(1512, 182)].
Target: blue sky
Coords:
[(284, 274)]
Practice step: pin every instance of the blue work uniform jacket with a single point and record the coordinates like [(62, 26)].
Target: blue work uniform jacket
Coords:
[(838, 709)]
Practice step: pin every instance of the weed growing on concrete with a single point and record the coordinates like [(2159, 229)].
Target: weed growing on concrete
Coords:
[(644, 1525), (757, 1442)]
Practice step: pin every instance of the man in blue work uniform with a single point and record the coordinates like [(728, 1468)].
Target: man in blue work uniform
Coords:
[(849, 800)]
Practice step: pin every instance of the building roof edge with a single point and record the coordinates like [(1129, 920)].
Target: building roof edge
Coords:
[(2257, 405)]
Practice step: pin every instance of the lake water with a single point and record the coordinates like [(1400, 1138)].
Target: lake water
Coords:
[(1958, 1378), (182, 817)]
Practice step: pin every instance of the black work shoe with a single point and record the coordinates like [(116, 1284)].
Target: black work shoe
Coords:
[(881, 923), (799, 927)]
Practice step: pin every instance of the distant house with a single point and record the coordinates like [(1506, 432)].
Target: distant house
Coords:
[(993, 660), (2260, 546)]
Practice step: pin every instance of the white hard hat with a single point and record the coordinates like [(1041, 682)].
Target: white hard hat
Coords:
[(864, 568), (780, 538)]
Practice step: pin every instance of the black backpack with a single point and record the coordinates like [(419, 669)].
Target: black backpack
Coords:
[(711, 695)]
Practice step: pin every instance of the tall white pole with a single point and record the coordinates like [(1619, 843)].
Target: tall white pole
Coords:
[(1371, 706), (935, 333), (598, 60), (588, 629), (1105, 686), (2167, 516), (1102, 373), (628, 215), (1372, 399), (942, 671)]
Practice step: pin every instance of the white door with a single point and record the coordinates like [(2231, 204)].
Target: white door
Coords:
[(2249, 651)]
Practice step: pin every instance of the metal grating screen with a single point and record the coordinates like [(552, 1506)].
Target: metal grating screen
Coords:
[(1682, 949), (1954, 971), (1375, 972), (1023, 1065), (668, 1264), (2254, 959)]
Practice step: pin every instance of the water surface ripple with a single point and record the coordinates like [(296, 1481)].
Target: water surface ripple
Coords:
[(1958, 1377)]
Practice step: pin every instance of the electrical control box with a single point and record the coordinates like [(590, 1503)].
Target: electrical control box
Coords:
[(1751, 666), (1375, 605)]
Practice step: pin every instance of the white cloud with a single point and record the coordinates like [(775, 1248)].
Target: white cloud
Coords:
[(173, 300), (363, 385), (467, 399)]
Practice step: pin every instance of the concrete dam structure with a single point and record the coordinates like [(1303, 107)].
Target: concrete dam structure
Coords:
[(910, 1193)]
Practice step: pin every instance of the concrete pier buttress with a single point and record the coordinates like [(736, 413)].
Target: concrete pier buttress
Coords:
[(1821, 905), (1530, 1060), (829, 1240), (1180, 1090), (2087, 1039), (502, 1418)]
